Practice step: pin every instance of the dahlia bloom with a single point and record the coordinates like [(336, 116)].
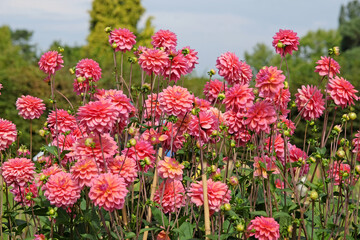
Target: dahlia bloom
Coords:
[(125, 167), (18, 171), (123, 38), (269, 80), (1, 86), (170, 195), (191, 58), (323, 67), (175, 138), (8, 133), (260, 116), (245, 73), (281, 100), (65, 122), (143, 149), (39, 237), (153, 61), (50, 62), (212, 90), (30, 107), (83, 87), (88, 69), (153, 136), (176, 68), (285, 41), (98, 117), (218, 194), (108, 191), (164, 39), (265, 228), (89, 147), (297, 155), (279, 184), (54, 169), (152, 104), (20, 195), (270, 164), (62, 190), (163, 236), (202, 104), (342, 92), (203, 126), (239, 98), (336, 173), (229, 67), (310, 102), (84, 171), (176, 100), (170, 168), (235, 121), (276, 145)]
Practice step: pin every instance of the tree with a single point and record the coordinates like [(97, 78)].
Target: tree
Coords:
[(349, 25)]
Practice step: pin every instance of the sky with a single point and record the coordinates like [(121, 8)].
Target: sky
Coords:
[(211, 27)]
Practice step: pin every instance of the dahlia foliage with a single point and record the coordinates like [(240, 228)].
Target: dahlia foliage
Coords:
[(157, 161)]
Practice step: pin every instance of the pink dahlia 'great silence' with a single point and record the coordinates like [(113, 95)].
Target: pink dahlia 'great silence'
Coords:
[(30, 107), (50, 62), (84, 171), (176, 100), (212, 90), (170, 195), (310, 102), (177, 67), (88, 69), (108, 191), (154, 61), (239, 98), (170, 168), (229, 67), (62, 121), (18, 171), (164, 39), (285, 42), (123, 39), (341, 91), (191, 57), (260, 116), (269, 81), (125, 167), (264, 228), (8, 133), (327, 66)]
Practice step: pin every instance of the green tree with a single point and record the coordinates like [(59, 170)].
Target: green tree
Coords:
[(349, 25)]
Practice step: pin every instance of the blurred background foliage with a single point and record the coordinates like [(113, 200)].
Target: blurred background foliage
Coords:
[(19, 73)]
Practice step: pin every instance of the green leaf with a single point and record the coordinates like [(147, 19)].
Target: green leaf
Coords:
[(259, 213), (280, 215), (185, 230), (159, 216), (52, 150), (88, 236), (130, 235), (149, 229)]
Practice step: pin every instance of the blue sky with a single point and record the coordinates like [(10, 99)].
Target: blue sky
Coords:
[(212, 27)]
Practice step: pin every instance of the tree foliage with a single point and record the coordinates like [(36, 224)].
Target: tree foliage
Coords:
[(349, 25)]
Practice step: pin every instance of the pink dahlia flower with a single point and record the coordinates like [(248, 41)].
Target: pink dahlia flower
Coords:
[(175, 138), (264, 228), (88, 69), (276, 144), (212, 90), (323, 67), (1, 86), (235, 123), (123, 38), (47, 172), (341, 91), (89, 147), (218, 194), (177, 67), (310, 102), (152, 104), (62, 190), (170, 168), (229, 67), (270, 164), (163, 236), (281, 100), (125, 167), (154, 61), (8, 133), (285, 41), (98, 117), (84, 171), (143, 150), (298, 156), (269, 80), (239, 98), (30, 107), (203, 126), (108, 191), (176, 100), (164, 39), (83, 87), (50, 62), (191, 57), (336, 173), (170, 195), (18, 171), (20, 195), (202, 104), (260, 116), (245, 73), (65, 122), (153, 136), (39, 237)]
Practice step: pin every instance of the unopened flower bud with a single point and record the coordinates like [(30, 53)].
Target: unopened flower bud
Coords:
[(290, 229), (89, 142), (345, 117), (108, 30), (132, 142), (240, 227), (337, 128), (340, 154), (80, 79), (256, 91), (314, 195), (51, 211), (233, 143), (280, 44), (287, 133), (233, 181), (185, 51), (42, 132), (286, 85), (114, 45), (147, 160), (61, 49), (132, 59), (72, 70), (145, 88), (312, 159), (227, 206), (221, 96), (357, 169), (28, 197), (352, 116), (131, 131), (211, 72), (214, 133), (42, 177)]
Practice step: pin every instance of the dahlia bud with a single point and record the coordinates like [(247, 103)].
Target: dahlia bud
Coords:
[(145, 88), (80, 79), (287, 133), (337, 128), (357, 169), (186, 164), (233, 181), (352, 116), (89, 142), (51, 211), (280, 44), (314, 195), (256, 91), (286, 85), (28, 197), (312, 160), (147, 160), (325, 162), (340, 154), (290, 229), (42, 132), (131, 131), (312, 123), (214, 133), (221, 96), (114, 45), (344, 174), (132, 142), (132, 59), (185, 51), (213, 168), (334, 51), (211, 72), (227, 207), (72, 70), (240, 227), (61, 49), (108, 30), (345, 117)]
